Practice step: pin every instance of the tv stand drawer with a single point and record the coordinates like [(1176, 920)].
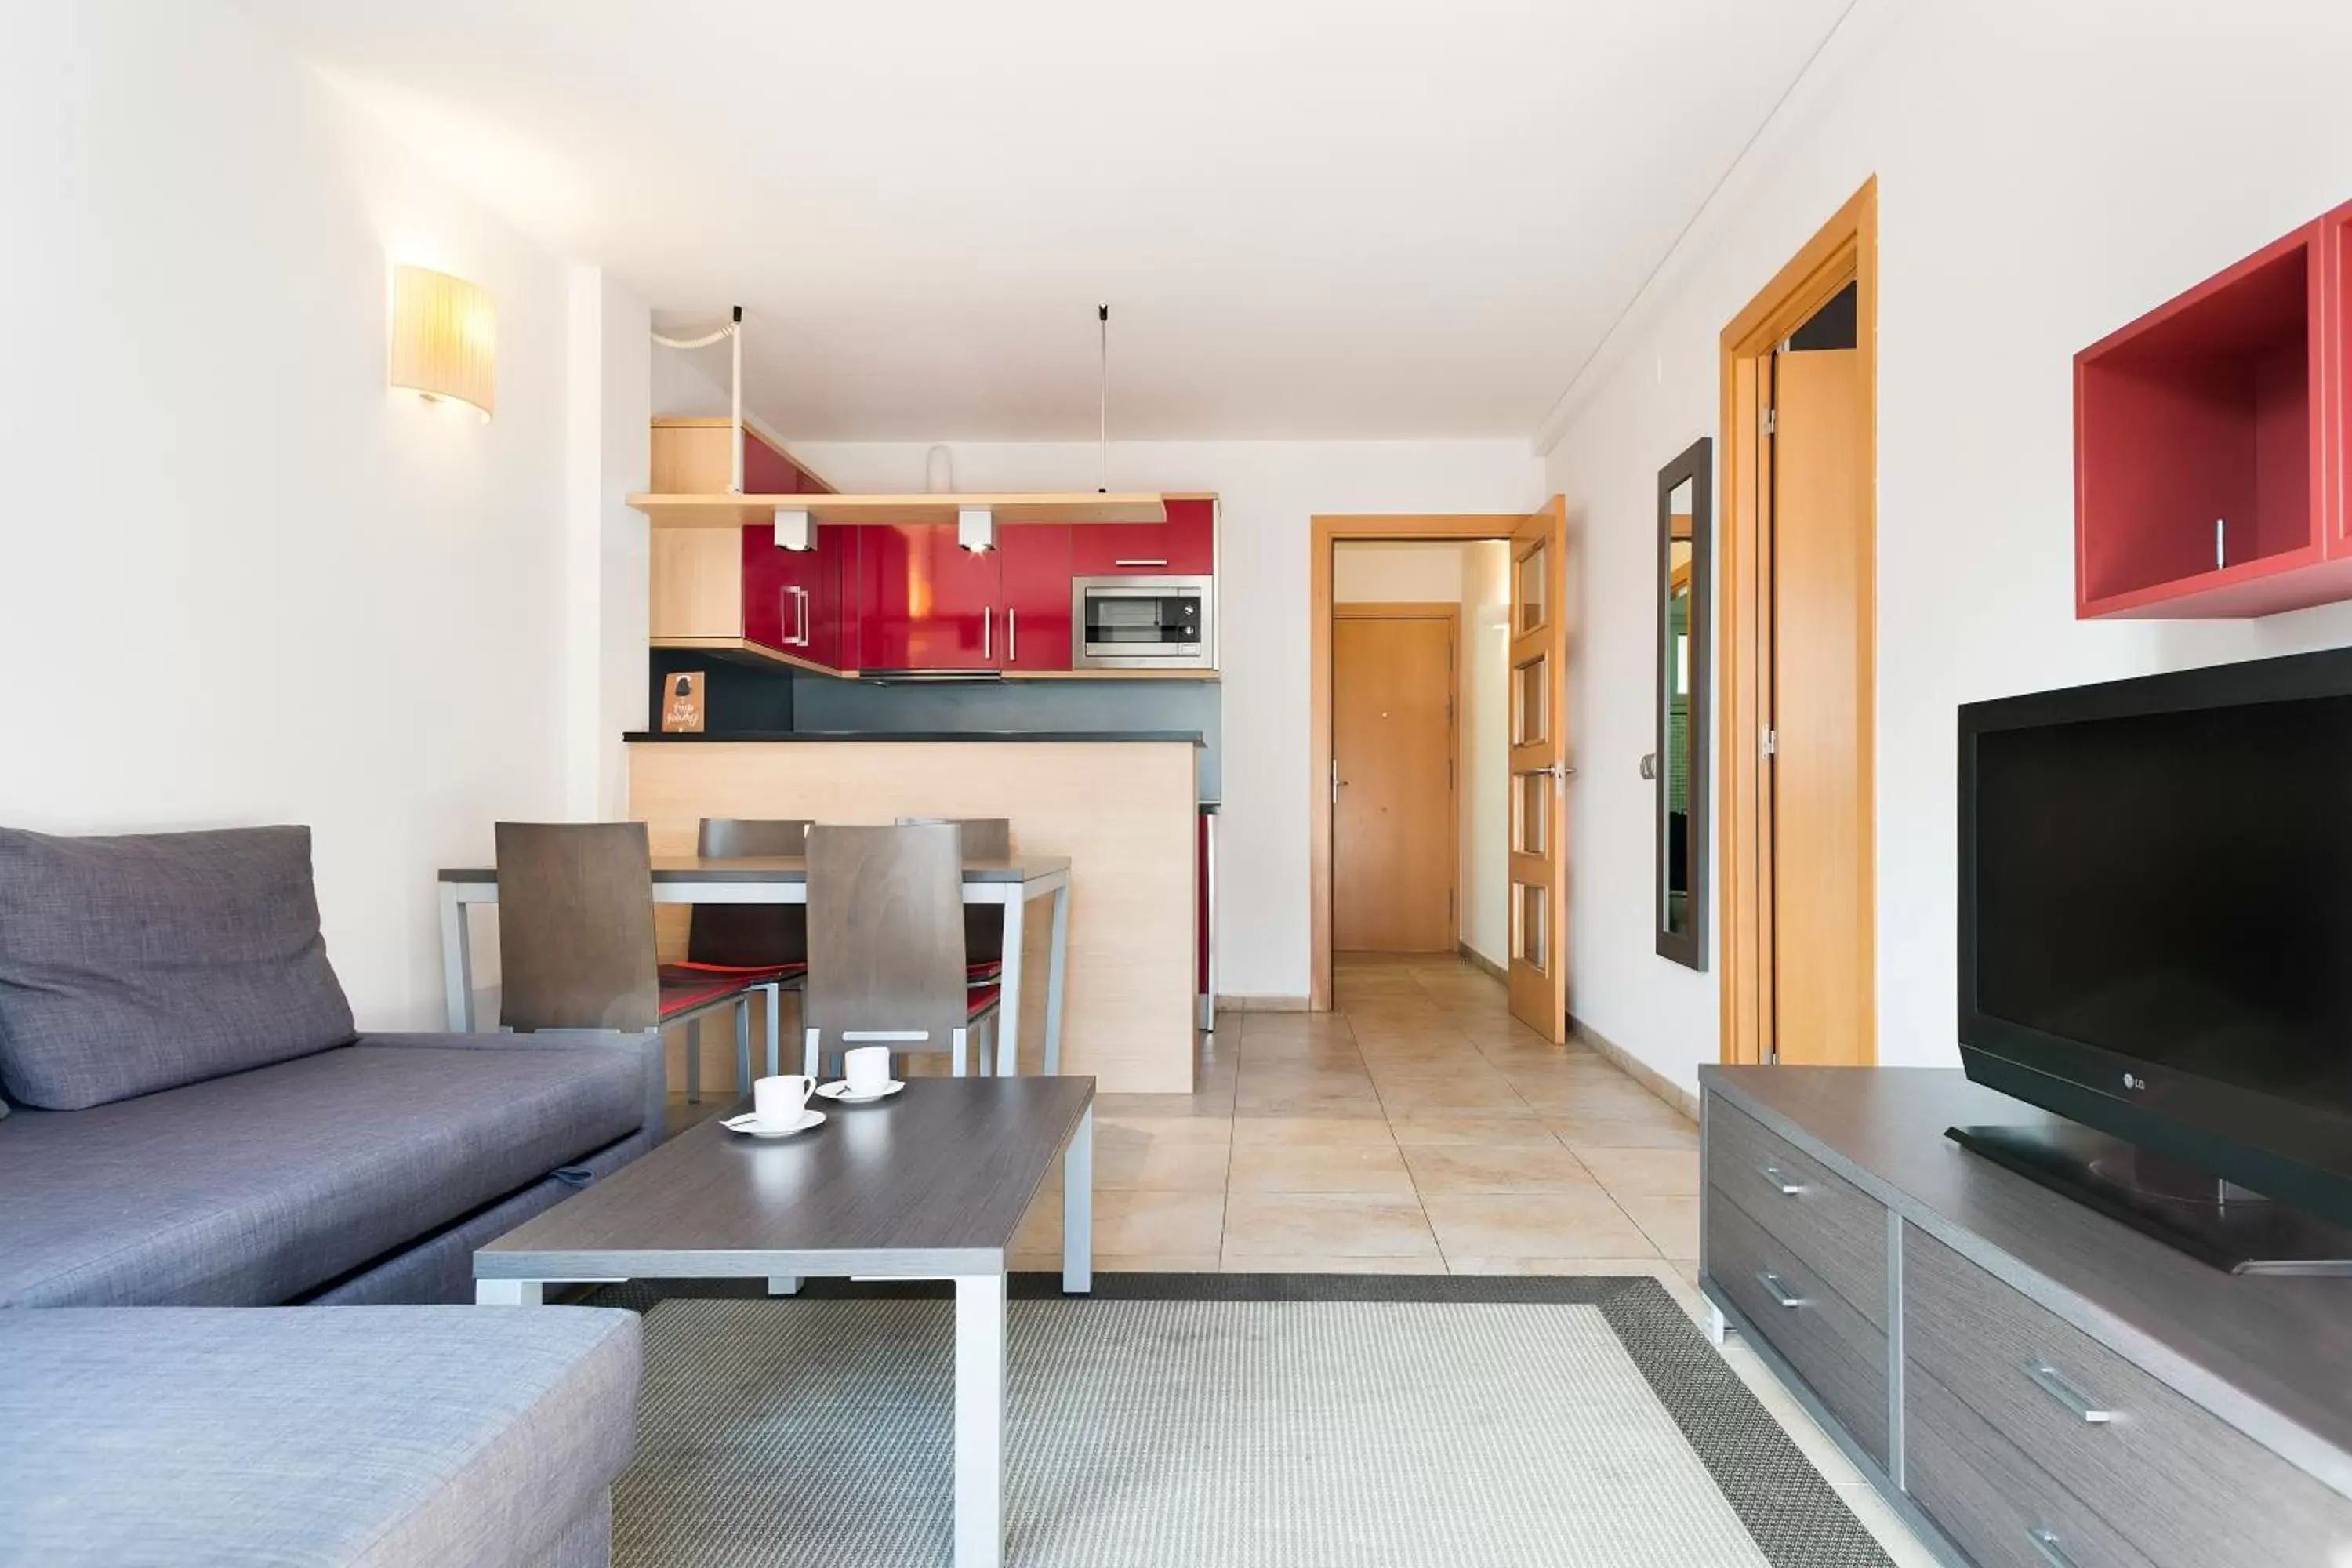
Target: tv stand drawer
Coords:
[(1836, 1228), (1840, 1353), (2185, 1488)]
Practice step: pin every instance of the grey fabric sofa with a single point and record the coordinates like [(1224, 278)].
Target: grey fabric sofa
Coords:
[(196, 1122), (432, 1437)]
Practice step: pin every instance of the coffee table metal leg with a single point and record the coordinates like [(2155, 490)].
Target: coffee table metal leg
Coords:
[(980, 1421), (509, 1292), (1078, 1208)]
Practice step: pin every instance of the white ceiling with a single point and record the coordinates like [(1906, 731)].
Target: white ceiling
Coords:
[(1311, 219)]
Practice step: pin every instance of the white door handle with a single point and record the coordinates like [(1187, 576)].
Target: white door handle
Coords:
[(1012, 635)]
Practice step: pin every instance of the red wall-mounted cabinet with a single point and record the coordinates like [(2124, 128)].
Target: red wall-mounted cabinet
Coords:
[(2210, 438), (1034, 597), (1183, 546), (795, 600), (922, 600)]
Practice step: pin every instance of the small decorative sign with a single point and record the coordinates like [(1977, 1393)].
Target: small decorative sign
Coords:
[(682, 703)]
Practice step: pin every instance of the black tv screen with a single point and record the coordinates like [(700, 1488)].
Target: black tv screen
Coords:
[(2155, 921)]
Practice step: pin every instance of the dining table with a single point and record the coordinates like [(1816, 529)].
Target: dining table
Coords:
[(1010, 883)]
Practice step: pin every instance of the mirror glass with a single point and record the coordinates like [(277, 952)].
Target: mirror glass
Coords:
[(1679, 764)]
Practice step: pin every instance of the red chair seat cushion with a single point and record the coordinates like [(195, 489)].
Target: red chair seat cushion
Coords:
[(692, 973), (979, 999), (687, 997)]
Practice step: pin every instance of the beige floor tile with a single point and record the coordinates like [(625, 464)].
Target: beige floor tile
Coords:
[(1323, 1131), (1158, 1223), (1439, 1129), (1127, 1158), (1521, 1168), (1323, 1264), (1644, 1173), (1454, 1100), (1671, 1223), (1585, 1224), (1135, 1107), (1325, 1225), (1165, 1129), (1656, 1268), (1666, 1131), (1308, 1102), (1368, 1168)]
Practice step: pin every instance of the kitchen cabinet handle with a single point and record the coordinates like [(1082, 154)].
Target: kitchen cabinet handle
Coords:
[(988, 632), (1138, 562), (1012, 635), (1780, 1180), (801, 599), (2046, 1542), (2051, 1382), (1781, 1295)]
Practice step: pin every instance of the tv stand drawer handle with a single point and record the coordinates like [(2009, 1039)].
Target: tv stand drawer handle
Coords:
[(1780, 1181), (1780, 1294), (2050, 1381), (2046, 1542)]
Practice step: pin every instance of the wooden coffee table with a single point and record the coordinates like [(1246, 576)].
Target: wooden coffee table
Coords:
[(928, 1184)]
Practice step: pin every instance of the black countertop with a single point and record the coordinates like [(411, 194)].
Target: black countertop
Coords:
[(1181, 737)]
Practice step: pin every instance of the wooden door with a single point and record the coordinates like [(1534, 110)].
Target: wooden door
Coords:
[(1823, 984), (1395, 836), (1540, 771)]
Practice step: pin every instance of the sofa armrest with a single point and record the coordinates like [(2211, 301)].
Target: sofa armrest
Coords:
[(647, 1047)]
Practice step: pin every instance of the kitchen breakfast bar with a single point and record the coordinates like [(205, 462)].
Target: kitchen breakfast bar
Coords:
[(1120, 806)]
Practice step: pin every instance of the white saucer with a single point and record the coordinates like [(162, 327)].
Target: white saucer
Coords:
[(839, 1090), (751, 1126)]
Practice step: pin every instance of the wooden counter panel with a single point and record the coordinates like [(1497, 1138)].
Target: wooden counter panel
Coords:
[(1123, 813)]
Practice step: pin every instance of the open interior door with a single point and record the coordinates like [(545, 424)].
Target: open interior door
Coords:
[(1539, 771)]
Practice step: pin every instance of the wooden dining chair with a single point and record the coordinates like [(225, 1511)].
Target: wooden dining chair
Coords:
[(762, 945), (576, 939), (985, 838), (885, 946)]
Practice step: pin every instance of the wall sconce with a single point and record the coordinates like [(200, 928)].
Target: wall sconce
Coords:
[(444, 333), (976, 528)]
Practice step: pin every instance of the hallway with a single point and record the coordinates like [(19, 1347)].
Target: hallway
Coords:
[(1418, 1128)]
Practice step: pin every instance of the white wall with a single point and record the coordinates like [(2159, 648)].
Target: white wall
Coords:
[(1269, 491), (2045, 174), (251, 584), (607, 458)]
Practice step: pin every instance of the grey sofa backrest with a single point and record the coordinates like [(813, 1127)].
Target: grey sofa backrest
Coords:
[(137, 963)]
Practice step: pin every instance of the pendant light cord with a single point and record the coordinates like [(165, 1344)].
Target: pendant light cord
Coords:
[(1102, 320), (733, 328)]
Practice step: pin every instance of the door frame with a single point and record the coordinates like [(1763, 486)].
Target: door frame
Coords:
[(1326, 531), (1844, 249), (1451, 614)]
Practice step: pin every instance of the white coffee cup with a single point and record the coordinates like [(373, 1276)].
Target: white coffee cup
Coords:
[(779, 1101), (867, 1070)]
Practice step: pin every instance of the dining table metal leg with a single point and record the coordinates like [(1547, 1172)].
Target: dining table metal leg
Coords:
[(1057, 964), (1008, 1011), (1078, 1208)]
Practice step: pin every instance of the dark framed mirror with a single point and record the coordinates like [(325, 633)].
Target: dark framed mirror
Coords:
[(1686, 614)]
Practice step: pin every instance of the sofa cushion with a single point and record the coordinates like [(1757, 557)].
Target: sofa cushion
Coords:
[(142, 963), (253, 1189), (376, 1435)]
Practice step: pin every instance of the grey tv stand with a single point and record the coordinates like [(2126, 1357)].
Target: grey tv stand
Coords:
[(2031, 1384)]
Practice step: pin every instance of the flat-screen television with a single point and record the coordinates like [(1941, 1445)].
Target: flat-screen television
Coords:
[(2156, 916)]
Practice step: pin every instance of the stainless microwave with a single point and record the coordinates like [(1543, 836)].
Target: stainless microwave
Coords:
[(1143, 623)]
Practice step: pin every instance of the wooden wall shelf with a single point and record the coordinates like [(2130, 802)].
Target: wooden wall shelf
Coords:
[(2210, 442), (838, 511)]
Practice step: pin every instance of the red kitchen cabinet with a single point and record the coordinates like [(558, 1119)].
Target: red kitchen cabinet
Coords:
[(1183, 546), (2210, 442), (1034, 597), (793, 599), (924, 602)]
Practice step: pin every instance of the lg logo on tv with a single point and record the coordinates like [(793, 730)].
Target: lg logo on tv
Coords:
[(2131, 1082)]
